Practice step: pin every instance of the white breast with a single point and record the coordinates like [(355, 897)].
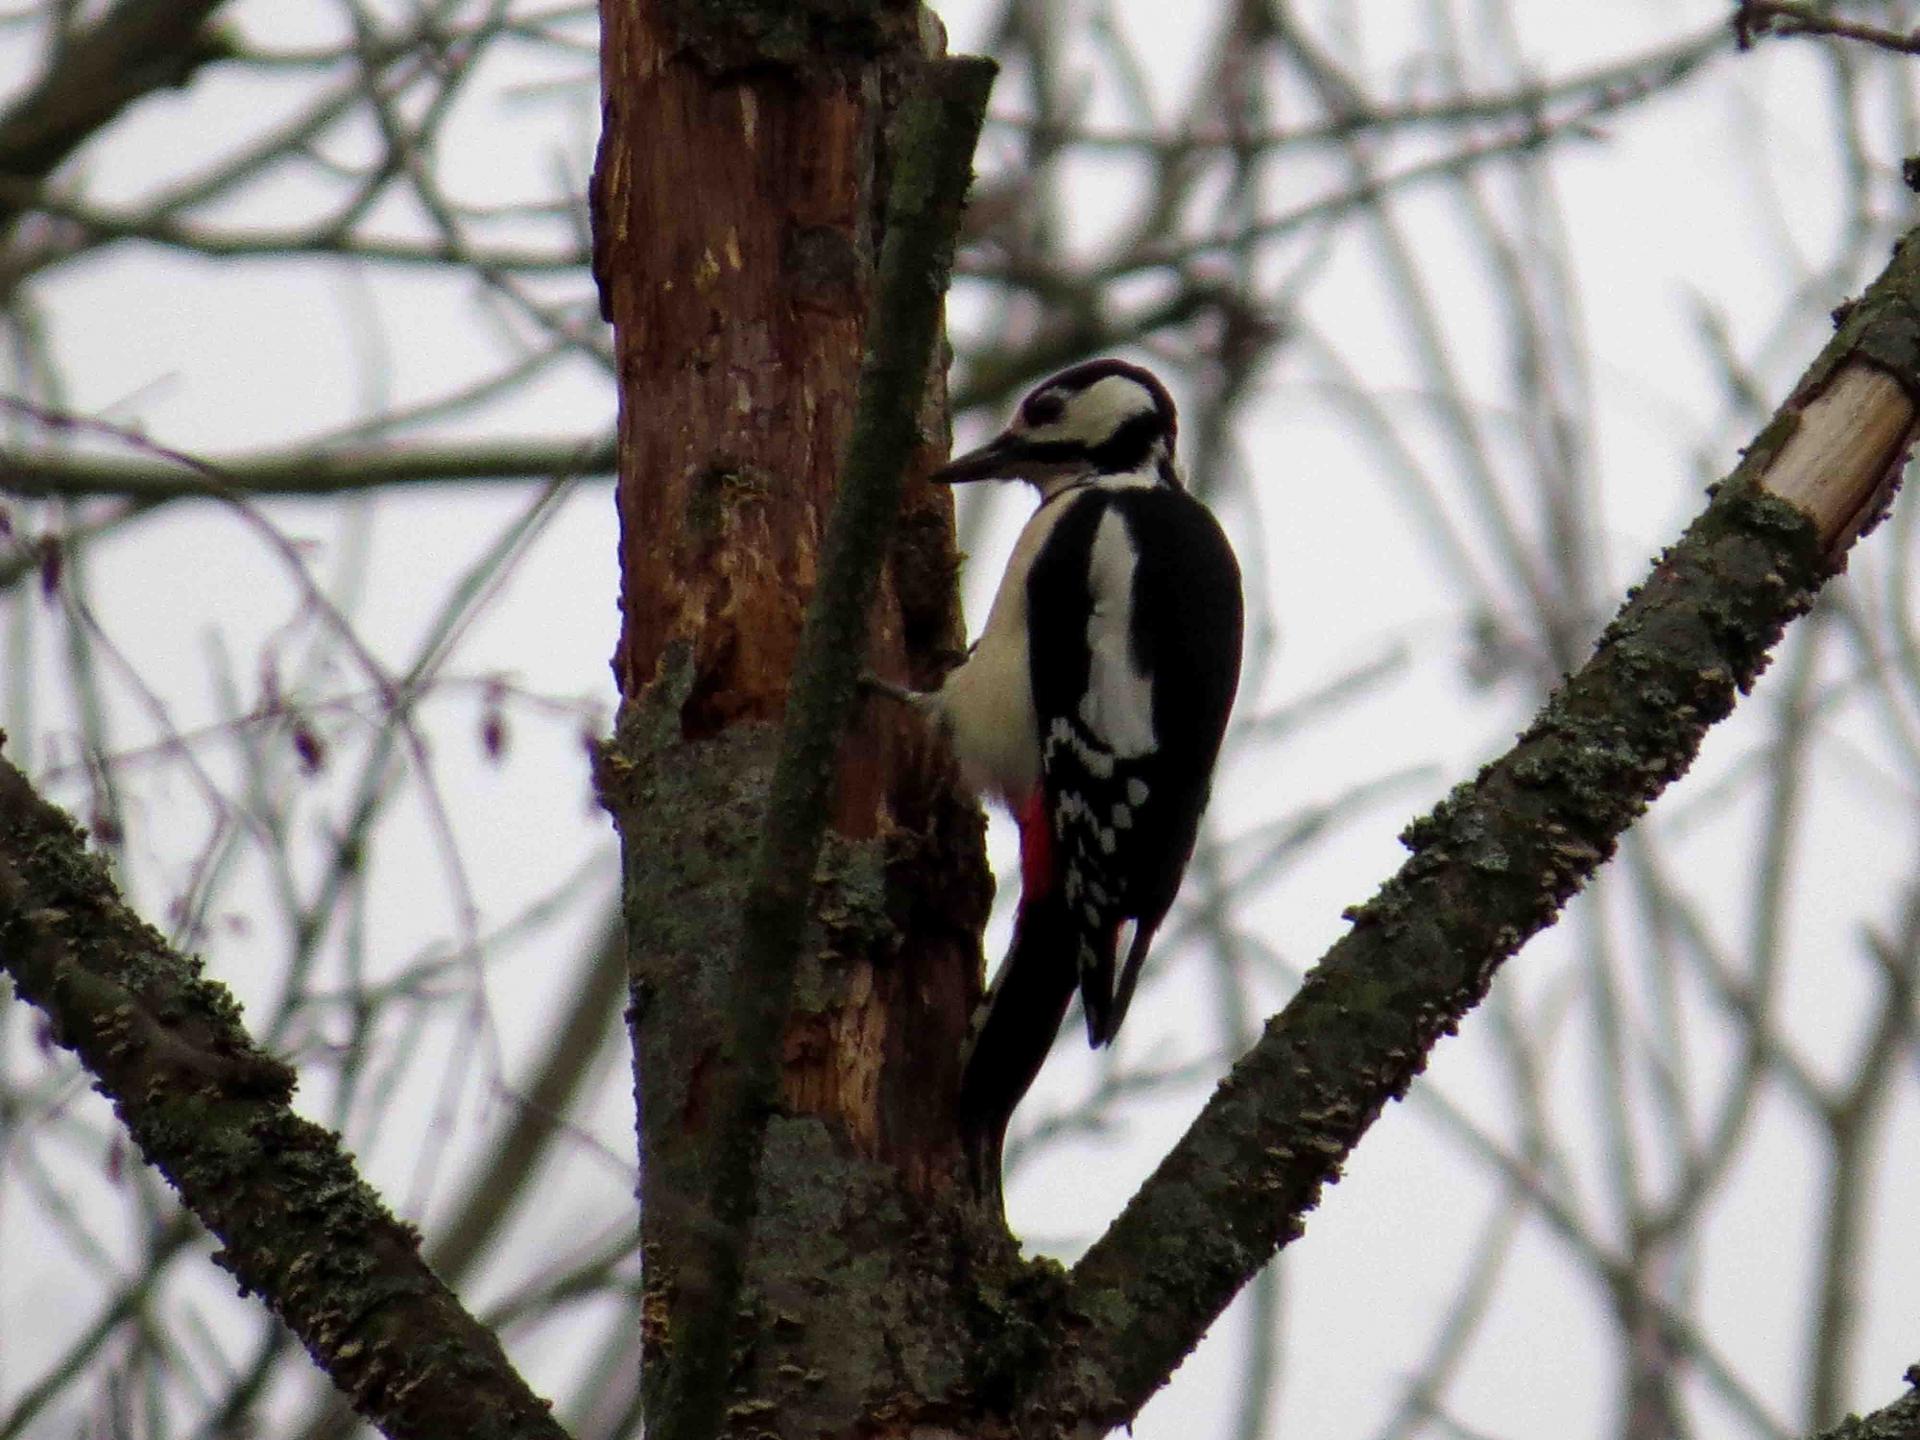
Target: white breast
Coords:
[(987, 703)]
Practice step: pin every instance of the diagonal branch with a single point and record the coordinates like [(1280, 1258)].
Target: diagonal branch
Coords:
[(211, 1111), (1755, 18), (938, 128), (137, 47), (1897, 1421), (1494, 863)]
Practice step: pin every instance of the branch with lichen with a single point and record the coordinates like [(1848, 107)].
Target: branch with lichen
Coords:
[(1493, 864), (211, 1111)]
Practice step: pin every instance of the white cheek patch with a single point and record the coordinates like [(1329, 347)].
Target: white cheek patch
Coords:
[(1095, 412), (1118, 705)]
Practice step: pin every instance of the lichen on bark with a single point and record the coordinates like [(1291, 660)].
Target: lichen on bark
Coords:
[(211, 1111), (852, 1261)]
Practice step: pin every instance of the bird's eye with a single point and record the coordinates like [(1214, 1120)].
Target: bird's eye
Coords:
[(1044, 408)]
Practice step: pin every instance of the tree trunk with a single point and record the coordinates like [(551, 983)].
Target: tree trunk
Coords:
[(738, 202)]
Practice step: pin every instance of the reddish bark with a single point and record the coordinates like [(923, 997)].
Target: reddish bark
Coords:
[(737, 209)]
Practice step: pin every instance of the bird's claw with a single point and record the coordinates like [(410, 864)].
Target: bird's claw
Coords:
[(872, 684)]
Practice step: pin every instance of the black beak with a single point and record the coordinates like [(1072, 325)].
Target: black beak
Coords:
[(998, 459)]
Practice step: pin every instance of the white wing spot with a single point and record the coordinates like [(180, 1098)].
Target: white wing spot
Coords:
[(1137, 791), (1118, 705), (1071, 807), (1095, 761)]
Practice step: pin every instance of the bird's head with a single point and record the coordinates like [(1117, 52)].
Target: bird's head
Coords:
[(1103, 418)]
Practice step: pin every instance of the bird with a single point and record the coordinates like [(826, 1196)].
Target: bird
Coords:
[(1092, 706)]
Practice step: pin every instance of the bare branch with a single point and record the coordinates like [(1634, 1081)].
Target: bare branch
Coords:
[(1618, 83), (1754, 19), (137, 47), (330, 471), (210, 1110), (1492, 866)]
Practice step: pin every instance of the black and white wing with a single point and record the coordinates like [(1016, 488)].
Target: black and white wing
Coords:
[(1133, 676)]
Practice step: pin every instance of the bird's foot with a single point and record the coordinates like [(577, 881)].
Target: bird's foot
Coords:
[(872, 684)]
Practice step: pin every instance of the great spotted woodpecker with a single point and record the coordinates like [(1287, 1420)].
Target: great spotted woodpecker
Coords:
[(1093, 705)]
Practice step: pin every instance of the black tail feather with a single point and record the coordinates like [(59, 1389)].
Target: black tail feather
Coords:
[(1096, 982), (1022, 1014), (1129, 977)]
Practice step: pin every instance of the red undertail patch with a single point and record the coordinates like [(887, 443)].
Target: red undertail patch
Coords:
[(1036, 847)]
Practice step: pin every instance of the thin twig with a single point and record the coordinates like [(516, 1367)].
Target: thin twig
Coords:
[(1755, 19)]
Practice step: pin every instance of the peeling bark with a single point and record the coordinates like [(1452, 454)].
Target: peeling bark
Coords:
[(739, 203)]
